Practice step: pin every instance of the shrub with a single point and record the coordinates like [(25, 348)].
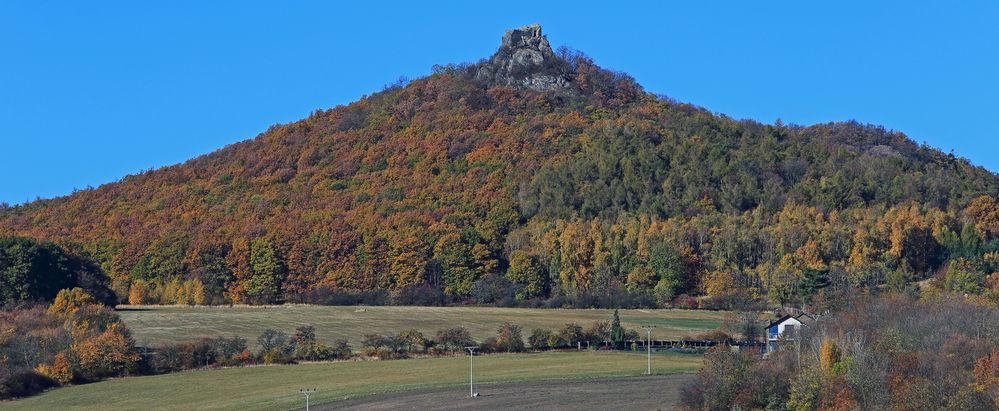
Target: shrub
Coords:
[(69, 301), (61, 370), (201, 353), (598, 332), (718, 382), (509, 338), (540, 339), (275, 347), (110, 354), (412, 340), (25, 383), (569, 336), (338, 351), (490, 345), (304, 341), (228, 350), (454, 339)]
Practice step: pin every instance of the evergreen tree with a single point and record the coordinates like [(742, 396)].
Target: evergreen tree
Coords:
[(617, 331)]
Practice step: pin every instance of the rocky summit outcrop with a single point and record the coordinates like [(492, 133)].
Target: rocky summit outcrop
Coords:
[(525, 59)]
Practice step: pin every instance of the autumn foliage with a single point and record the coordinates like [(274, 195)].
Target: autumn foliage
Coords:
[(472, 192), (72, 341), (891, 352)]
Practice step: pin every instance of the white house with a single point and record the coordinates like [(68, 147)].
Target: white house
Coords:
[(785, 328)]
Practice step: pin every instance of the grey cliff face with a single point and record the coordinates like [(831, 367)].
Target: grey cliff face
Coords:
[(524, 59)]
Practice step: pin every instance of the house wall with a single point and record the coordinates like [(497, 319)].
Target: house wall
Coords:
[(788, 323)]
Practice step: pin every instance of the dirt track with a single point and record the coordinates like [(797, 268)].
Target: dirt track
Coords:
[(631, 393)]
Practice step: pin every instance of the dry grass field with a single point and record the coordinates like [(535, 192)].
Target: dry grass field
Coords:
[(154, 325)]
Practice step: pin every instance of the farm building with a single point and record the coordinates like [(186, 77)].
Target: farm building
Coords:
[(785, 329)]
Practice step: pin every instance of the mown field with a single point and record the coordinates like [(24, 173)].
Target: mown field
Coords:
[(277, 387), (154, 325)]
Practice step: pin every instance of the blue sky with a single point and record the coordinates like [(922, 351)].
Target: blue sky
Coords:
[(93, 91)]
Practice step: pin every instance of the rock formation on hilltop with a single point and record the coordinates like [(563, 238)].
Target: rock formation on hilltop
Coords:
[(525, 59)]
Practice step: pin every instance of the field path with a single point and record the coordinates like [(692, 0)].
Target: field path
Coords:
[(628, 393)]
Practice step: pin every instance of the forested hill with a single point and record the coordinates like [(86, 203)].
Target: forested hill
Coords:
[(538, 177)]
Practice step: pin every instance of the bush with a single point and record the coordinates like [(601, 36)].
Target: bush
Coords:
[(25, 383), (304, 341), (202, 353), (540, 339), (110, 354), (275, 347), (454, 339), (61, 370), (412, 340), (718, 382), (68, 301), (490, 345), (229, 350), (509, 339), (569, 336), (338, 351), (598, 332)]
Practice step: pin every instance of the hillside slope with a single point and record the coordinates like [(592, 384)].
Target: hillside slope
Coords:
[(533, 175)]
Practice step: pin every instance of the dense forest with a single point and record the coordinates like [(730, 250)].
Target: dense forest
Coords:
[(455, 189)]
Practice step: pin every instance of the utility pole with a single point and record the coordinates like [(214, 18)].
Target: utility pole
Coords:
[(648, 345), (307, 392), (471, 353)]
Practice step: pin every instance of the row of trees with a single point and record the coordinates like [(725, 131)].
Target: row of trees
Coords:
[(793, 257), (891, 352), (33, 271), (509, 338), (273, 347), (732, 260)]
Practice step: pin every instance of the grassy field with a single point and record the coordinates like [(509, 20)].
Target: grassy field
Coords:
[(276, 387), (153, 325)]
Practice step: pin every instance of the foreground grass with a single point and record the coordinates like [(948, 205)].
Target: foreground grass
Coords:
[(276, 387), (155, 325)]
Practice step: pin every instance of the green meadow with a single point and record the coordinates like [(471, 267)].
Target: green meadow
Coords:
[(277, 387)]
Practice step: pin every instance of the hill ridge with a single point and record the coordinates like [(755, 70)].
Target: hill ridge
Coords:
[(550, 180)]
